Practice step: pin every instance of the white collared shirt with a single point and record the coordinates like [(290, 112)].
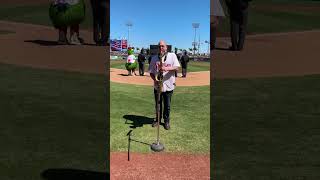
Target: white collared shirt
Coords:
[(169, 78)]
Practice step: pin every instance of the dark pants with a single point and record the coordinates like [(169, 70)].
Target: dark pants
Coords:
[(165, 97), (99, 12), (74, 29), (238, 25), (141, 68), (184, 70)]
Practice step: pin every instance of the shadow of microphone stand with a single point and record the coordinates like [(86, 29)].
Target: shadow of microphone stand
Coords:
[(129, 134)]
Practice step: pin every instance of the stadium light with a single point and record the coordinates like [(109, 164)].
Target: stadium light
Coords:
[(129, 25), (195, 26), (208, 46)]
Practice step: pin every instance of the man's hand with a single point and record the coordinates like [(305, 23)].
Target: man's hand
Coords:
[(165, 69)]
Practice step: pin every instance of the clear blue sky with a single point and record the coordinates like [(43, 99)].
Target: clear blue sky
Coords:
[(152, 20)]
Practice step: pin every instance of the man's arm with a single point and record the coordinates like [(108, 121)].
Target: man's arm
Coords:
[(152, 77), (174, 68), (152, 70)]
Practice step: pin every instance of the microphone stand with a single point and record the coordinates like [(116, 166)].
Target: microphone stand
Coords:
[(157, 146)]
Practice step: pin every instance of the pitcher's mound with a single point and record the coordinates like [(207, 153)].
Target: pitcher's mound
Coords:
[(193, 78)]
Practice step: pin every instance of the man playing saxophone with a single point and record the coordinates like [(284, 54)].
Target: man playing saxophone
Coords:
[(162, 71)]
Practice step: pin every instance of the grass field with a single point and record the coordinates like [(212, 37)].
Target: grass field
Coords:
[(193, 66), (266, 128), (132, 108), (37, 14), (51, 119), (266, 16)]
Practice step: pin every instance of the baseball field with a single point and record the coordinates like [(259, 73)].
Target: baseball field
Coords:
[(265, 98), (53, 107), (51, 127), (186, 144), (60, 128), (264, 102)]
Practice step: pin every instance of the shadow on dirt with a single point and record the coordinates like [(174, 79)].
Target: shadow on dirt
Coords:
[(123, 74), (44, 42), (53, 43)]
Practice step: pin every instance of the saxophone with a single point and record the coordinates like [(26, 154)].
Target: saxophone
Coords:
[(159, 75)]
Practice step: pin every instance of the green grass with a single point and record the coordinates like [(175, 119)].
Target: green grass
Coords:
[(190, 123), (266, 128), (266, 20), (50, 119), (193, 66), (37, 14)]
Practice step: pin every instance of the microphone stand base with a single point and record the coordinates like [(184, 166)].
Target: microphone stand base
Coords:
[(157, 147)]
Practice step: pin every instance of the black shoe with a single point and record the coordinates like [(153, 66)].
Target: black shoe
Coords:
[(155, 124), (231, 48), (81, 40), (166, 126), (104, 43), (101, 43), (239, 48)]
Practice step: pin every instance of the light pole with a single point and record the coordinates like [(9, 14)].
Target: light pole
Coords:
[(199, 45), (195, 26), (208, 46), (129, 25)]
